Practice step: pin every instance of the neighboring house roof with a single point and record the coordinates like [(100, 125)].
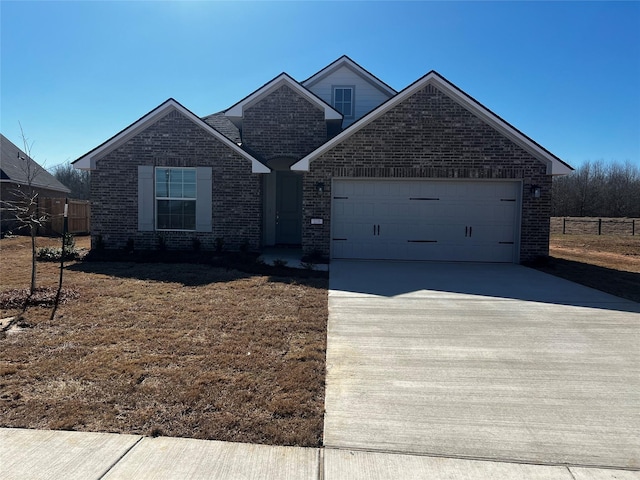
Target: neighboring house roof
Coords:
[(16, 167), (236, 111), (555, 166), (87, 161), (345, 61)]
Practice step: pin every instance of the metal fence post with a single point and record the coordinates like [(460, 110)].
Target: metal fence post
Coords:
[(599, 226), (564, 225)]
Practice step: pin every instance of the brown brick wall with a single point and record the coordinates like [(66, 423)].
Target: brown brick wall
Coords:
[(283, 124), (175, 141), (429, 136)]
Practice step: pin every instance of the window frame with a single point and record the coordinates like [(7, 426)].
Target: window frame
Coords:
[(193, 199), (352, 88)]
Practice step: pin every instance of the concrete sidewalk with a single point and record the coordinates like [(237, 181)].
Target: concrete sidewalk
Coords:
[(51, 455)]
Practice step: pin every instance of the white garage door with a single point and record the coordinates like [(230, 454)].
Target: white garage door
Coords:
[(425, 220)]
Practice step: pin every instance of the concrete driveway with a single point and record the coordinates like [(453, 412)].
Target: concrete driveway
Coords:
[(486, 361)]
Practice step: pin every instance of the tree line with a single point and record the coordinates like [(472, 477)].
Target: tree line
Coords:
[(598, 189), (75, 180)]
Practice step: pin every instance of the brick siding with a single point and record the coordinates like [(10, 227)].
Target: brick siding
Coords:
[(283, 124), (175, 141), (428, 135)]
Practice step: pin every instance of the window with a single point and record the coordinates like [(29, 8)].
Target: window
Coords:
[(175, 198), (343, 100)]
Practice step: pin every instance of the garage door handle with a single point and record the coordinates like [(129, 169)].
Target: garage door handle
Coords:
[(466, 231), (470, 230), (376, 230)]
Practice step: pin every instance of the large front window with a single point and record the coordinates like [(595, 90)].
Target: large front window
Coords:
[(175, 198)]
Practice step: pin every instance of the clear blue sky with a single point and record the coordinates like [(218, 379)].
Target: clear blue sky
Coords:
[(75, 73)]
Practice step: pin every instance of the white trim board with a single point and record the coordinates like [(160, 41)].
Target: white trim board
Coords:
[(345, 61), (88, 160), (555, 166), (237, 110)]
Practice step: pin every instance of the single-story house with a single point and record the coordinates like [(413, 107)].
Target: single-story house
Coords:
[(340, 164), (20, 175)]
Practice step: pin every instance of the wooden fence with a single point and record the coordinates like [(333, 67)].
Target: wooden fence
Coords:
[(595, 226), (78, 218)]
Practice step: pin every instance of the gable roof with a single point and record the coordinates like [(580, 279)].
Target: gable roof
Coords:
[(16, 167), (345, 61), (87, 161), (235, 112), (555, 166)]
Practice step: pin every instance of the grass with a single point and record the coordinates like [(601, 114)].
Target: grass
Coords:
[(608, 263), (197, 351), (166, 349)]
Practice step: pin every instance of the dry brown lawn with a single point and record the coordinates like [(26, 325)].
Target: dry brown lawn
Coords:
[(166, 349), (605, 262), (195, 351)]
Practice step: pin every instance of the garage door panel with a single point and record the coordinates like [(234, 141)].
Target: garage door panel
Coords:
[(364, 209), (421, 250), (421, 232), (425, 220), (489, 235)]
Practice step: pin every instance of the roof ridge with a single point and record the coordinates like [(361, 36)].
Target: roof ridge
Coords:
[(329, 110), (343, 58), (469, 103)]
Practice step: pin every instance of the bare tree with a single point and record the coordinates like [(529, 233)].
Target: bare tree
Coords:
[(598, 189), (620, 196), (22, 205), (76, 180)]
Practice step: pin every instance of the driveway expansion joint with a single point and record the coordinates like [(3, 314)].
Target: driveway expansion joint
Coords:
[(568, 466), (120, 458)]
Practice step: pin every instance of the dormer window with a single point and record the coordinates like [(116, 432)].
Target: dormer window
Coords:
[(343, 100)]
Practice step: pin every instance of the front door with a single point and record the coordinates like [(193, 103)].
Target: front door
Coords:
[(288, 208)]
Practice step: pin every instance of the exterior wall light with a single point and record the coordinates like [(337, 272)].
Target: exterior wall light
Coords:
[(320, 187), (535, 191)]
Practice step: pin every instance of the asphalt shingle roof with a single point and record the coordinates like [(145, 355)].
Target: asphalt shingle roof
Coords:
[(222, 123), (16, 166)]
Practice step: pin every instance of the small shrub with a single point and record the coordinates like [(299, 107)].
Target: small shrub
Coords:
[(196, 244), (69, 242), (219, 244), (316, 254), (48, 254), (129, 246), (53, 254), (308, 265), (162, 243), (278, 262), (315, 257), (99, 243)]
